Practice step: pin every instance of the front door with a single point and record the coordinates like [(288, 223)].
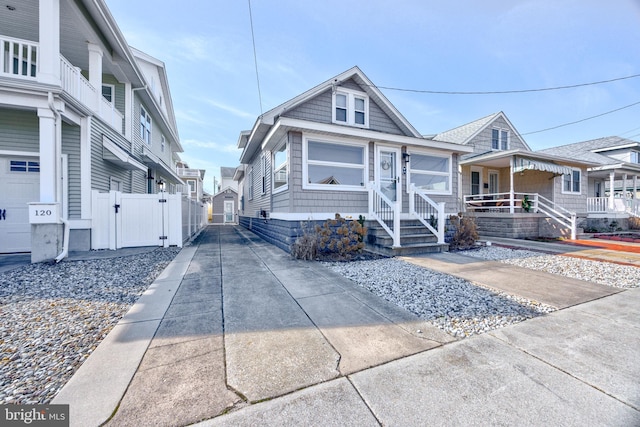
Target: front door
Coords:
[(228, 211), (388, 173)]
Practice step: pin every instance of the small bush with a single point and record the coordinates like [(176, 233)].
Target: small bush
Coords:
[(466, 232), (306, 246), (634, 223), (339, 238)]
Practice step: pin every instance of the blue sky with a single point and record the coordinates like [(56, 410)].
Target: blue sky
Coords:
[(490, 45)]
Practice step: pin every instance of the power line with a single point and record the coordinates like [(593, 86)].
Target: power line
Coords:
[(498, 92), (255, 56), (581, 120)]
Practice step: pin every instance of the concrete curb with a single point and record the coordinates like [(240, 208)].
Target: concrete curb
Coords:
[(97, 387)]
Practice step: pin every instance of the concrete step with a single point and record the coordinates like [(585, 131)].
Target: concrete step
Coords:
[(412, 249)]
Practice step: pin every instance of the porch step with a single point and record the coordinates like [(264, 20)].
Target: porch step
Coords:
[(415, 238)]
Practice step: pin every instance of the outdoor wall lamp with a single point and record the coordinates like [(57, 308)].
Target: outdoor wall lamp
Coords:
[(405, 158), (161, 185)]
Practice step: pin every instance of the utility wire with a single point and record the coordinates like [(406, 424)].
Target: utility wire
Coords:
[(498, 92), (255, 56), (581, 120)]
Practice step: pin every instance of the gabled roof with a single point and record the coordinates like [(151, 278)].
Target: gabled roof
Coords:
[(592, 150), (464, 134), (250, 140), (227, 172)]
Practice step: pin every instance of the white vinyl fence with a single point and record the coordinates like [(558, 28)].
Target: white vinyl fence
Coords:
[(121, 220)]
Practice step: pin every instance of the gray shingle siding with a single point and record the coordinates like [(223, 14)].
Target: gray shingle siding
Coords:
[(317, 109)]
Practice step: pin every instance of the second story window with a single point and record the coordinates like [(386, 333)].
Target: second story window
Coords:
[(499, 139), (108, 93), (350, 108), (192, 185), (162, 143), (145, 126)]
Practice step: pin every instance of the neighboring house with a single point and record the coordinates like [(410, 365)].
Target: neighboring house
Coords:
[(194, 181), (225, 201), (616, 165), (80, 111), (342, 147), (513, 191)]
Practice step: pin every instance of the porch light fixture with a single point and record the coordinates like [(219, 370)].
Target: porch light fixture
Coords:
[(405, 157), (161, 185)]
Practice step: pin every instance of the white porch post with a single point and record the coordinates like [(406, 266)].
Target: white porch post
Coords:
[(624, 190), (85, 168), (95, 71), (511, 194), (635, 187), (128, 115), (48, 159), (49, 42), (612, 179)]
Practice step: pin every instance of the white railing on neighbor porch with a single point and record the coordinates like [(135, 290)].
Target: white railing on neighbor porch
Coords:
[(188, 172), (556, 212), (428, 212), (18, 58), (385, 212), (499, 202), (603, 205)]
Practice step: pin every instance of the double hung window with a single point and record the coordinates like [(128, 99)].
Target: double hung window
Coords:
[(280, 168), (332, 164), (351, 108), (145, 126), (571, 182), (499, 139)]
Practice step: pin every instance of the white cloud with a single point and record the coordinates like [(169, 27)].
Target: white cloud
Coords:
[(229, 109), (227, 148)]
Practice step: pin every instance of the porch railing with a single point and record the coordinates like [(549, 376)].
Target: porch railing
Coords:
[(385, 212), (559, 214), (500, 201), (18, 58), (428, 212), (603, 205)]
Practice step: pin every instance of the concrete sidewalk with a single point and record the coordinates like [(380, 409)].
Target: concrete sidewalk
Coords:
[(236, 333)]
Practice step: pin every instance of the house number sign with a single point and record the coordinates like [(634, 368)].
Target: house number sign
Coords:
[(44, 213)]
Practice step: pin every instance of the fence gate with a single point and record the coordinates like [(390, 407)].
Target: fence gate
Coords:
[(130, 220)]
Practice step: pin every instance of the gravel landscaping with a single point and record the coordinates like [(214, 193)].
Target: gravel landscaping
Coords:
[(463, 309), (53, 316)]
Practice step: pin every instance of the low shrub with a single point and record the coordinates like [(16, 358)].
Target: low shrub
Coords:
[(466, 232), (337, 239)]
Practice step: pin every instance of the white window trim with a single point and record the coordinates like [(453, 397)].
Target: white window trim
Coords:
[(351, 113), (250, 177), (263, 173), (113, 93), (276, 168), (480, 172), (148, 122), (163, 142), (497, 174), (500, 130), (571, 191), (434, 154), (339, 141)]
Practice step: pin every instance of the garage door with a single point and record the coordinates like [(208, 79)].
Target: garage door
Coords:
[(19, 185)]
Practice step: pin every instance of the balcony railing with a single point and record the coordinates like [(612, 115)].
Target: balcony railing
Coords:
[(187, 172), (18, 58)]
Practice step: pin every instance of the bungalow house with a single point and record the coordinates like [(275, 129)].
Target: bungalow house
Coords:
[(225, 201), (513, 191), (612, 186), (80, 112), (342, 147)]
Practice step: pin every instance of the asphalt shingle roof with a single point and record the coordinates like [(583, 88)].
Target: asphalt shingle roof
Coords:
[(584, 150)]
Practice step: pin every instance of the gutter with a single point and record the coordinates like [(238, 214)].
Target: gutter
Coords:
[(58, 143)]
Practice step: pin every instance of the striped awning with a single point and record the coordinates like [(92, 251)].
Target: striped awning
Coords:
[(522, 164)]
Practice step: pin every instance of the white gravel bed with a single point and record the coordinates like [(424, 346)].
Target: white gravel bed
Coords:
[(604, 273), (53, 316), (450, 303)]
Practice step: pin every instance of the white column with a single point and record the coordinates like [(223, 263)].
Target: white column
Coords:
[(624, 188), (511, 194), (85, 167), (48, 159), (128, 113), (635, 187), (95, 71), (49, 43), (612, 187)]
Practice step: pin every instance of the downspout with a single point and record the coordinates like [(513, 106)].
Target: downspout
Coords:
[(58, 143)]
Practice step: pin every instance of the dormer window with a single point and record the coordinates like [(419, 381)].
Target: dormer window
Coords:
[(350, 108)]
